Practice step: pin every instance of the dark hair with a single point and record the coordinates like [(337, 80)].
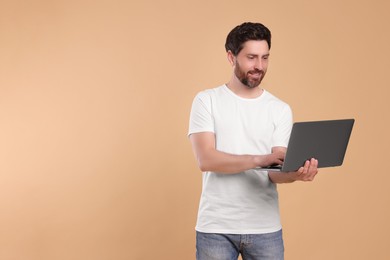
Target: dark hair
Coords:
[(245, 32)]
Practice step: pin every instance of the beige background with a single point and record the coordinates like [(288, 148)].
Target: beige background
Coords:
[(94, 104)]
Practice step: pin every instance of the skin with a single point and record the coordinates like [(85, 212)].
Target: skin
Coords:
[(249, 68)]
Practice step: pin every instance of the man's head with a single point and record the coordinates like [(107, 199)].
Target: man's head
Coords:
[(247, 46), (245, 32)]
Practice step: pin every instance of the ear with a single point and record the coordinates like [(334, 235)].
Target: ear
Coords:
[(231, 58)]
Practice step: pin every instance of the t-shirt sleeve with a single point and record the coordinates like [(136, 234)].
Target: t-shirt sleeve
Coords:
[(201, 118), (283, 125)]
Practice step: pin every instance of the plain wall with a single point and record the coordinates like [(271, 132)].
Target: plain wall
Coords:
[(95, 96)]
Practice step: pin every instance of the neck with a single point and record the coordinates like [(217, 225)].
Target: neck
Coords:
[(243, 91)]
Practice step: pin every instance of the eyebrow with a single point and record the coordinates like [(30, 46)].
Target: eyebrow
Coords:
[(256, 55)]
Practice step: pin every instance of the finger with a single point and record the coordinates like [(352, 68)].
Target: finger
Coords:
[(314, 165), (315, 162), (279, 161), (299, 172), (306, 167), (313, 170)]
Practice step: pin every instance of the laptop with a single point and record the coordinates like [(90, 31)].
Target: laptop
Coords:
[(325, 141)]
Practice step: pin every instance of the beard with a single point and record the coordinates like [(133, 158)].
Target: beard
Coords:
[(251, 79)]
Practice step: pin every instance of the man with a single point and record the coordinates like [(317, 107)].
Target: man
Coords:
[(233, 129)]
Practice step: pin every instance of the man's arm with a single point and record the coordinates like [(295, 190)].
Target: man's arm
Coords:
[(305, 173), (210, 159)]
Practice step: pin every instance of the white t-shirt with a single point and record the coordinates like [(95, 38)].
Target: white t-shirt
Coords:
[(246, 202)]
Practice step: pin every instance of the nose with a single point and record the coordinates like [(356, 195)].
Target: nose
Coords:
[(259, 64)]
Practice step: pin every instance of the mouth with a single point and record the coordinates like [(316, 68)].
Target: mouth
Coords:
[(257, 74)]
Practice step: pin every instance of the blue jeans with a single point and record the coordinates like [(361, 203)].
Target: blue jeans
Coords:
[(210, 246)]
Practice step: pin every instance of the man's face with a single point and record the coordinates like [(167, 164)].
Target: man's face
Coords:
[(250, 65)]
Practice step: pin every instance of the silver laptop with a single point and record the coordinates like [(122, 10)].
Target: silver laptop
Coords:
[(325, 141)]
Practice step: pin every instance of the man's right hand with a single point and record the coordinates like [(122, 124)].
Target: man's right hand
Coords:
[(276, 157)]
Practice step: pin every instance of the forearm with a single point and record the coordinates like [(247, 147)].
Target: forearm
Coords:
[(211, 159), (221, 162), (281, 177)]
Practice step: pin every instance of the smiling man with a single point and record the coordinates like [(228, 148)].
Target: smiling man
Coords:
[(233, 129)]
